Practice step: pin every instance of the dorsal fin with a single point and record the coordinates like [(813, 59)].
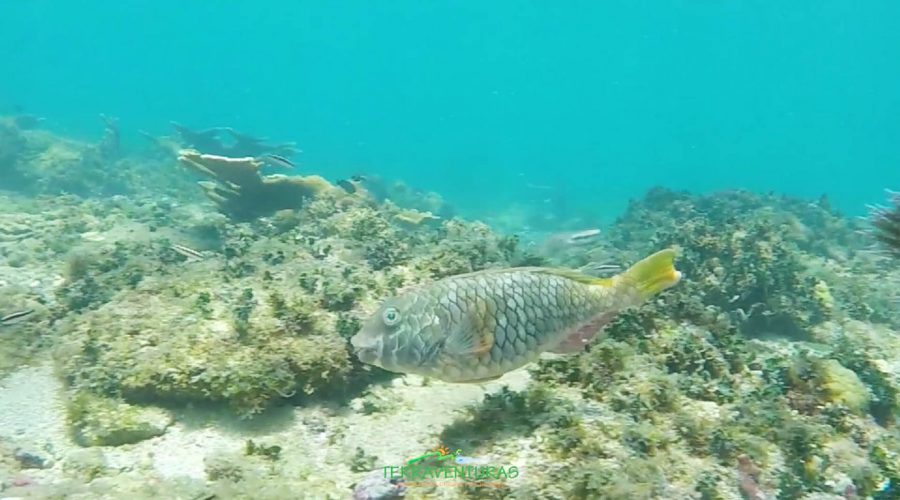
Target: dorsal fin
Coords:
[(576, 276), (555, 271)]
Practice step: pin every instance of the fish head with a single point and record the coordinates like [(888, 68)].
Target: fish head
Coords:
[(403, 335)]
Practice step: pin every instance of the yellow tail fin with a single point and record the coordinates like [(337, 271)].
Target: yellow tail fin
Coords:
[(653, 274)]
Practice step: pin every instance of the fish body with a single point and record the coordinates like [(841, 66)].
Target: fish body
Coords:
[(347, 185), (278, 161), (583, 237), (560, 243), (188, 252), (478, 326), (12, 317)]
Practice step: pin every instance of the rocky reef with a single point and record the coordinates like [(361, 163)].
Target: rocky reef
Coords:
[(694, 395), (201, 348), (35, 161), (260, 314)]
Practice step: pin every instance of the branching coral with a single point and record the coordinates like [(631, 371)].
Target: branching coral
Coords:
[(240, 191)]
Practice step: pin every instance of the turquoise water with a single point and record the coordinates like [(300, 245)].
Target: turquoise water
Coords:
[(481, 100)]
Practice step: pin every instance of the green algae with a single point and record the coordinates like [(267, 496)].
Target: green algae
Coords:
[(97, 421)]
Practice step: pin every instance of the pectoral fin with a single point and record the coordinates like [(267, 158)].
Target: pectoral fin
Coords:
[(474, 335), (469, 340)]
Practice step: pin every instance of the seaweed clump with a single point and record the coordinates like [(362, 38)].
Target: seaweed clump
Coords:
[(745, 255), (886, 221), (687, 397), (626, 420)]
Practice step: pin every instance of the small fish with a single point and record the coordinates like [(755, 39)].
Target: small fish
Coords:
[(187, 252), (476, 327), (600, 269), (278, 160), (584, 236), (9, 318), (353, 184), (347, 185)]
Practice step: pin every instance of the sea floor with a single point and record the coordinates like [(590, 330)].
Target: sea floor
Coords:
[(316, 442)]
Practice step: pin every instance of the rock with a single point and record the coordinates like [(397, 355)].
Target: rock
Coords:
[(85, 464), (98, 421), (32, 459), (375, 486)]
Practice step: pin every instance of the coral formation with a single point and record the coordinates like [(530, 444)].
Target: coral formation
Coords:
[(262, 314), (240, 191), (97, 421), (35, 161), (750, 256), (659, 409)]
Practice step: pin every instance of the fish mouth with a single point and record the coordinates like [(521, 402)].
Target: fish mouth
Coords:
[(366, 349), (366, 355)]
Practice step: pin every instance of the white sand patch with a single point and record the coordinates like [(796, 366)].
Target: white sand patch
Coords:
[(428, 409), (32, 407), (317, 442)]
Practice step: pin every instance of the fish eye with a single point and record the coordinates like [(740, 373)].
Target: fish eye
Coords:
[(391, 316)]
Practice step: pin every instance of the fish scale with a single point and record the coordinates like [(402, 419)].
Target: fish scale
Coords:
[(480, 325)]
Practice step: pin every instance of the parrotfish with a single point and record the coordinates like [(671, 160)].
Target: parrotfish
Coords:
[(478, 326)]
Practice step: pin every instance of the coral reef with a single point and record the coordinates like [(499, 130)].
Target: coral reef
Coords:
[(767, 262), (770, 372), (399, 193), (262, 314), (240, 191), (678, 400), (12, 145), (35, 162)]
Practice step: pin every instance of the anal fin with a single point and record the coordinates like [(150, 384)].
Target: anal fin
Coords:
[(579, 337)]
